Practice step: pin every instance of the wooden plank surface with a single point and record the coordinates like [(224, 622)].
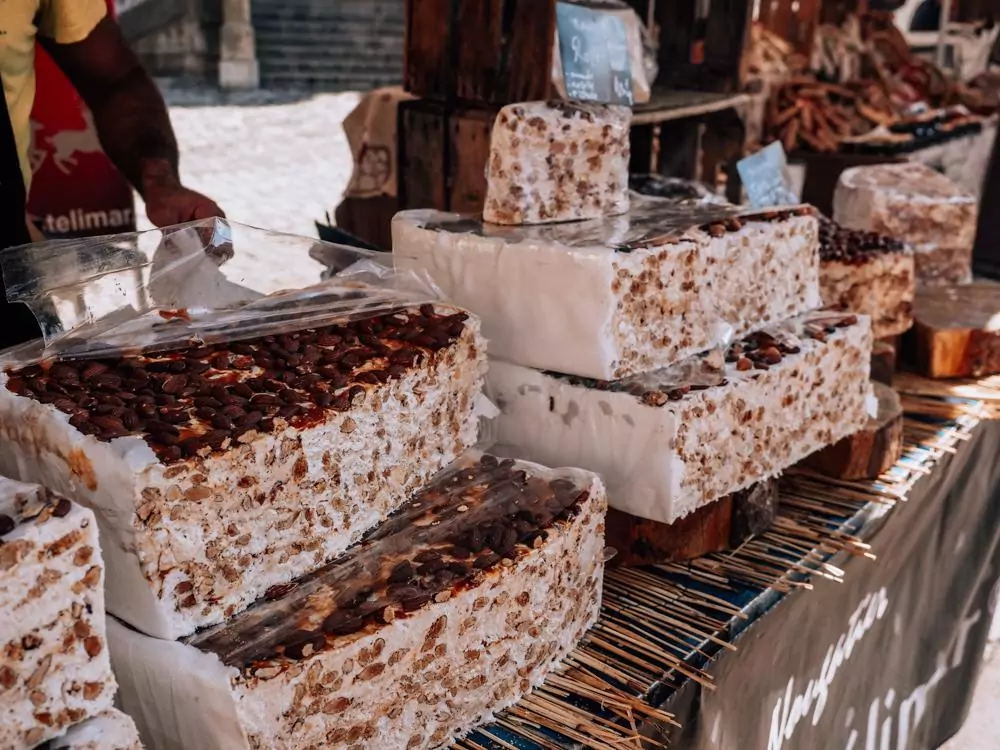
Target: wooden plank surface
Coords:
[(428, 65), (956, 332), (480, 51), (665, 106), (422, 149), (721, 525), (468, 152), (531, 27)]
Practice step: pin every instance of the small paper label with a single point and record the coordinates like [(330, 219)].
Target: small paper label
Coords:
[(767, 179), (593, 47)]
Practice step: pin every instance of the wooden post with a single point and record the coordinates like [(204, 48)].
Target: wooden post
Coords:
[(481, 51), (238, 67), (676, 21)]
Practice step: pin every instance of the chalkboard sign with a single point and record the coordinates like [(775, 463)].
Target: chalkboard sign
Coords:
[(766, 179), (593, 48)]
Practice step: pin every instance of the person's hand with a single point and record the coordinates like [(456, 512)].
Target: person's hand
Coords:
[(176, 204)]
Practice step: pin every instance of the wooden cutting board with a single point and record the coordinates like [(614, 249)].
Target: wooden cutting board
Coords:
[(722, 525), (870, 452), (956, 333)]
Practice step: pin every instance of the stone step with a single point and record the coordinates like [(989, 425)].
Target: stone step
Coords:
[(360, 8), (292, 16), (330, 68), (347, 45), (320, 43), (319, 83)]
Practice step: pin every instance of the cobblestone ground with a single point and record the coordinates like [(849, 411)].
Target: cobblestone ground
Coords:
[(273, 160)]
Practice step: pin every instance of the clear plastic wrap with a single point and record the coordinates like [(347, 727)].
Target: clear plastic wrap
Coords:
[(491, 552), (608, 298), (192, 284), (670, 441)]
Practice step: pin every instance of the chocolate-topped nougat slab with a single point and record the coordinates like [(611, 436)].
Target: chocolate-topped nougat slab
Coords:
[(219, 471), (452, 610)]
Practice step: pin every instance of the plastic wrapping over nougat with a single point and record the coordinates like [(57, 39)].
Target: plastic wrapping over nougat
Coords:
[(673, 440), (112, 730), (218, 472), (54, 667), (451, 611), (552, 162), (867, 273), (917, 205), (614, 297)]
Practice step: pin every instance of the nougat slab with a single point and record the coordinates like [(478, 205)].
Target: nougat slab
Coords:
[(615, 297), (451, 611), (218, 472), (671, 441), (868, 273), (558, 161), (54, 667), (112, 730), (917, 205)]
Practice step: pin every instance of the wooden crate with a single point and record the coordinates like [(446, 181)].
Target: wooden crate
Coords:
[(500, 51), (442, 155), (485, 51)]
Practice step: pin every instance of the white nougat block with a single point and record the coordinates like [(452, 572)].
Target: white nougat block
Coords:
[(614, 297), (217, 473), (452, 611), (557, 161), (671, 441), (54, 667), (112, 730)]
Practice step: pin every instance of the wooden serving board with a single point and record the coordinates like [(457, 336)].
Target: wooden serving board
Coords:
[(722, 525), (872, 451), (956, 333)]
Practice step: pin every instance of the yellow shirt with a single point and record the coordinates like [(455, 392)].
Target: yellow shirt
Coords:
[(66, 22)]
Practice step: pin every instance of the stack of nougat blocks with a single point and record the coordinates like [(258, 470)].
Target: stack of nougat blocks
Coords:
[(675, 348), (297, 534), (55, 674)]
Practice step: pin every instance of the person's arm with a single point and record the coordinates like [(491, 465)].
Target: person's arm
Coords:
[(132, 121)]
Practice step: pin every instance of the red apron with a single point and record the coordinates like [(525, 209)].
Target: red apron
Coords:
[(76, 191)]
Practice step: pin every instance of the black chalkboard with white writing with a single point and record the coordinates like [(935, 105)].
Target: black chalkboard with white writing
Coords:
[(593, 48)]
